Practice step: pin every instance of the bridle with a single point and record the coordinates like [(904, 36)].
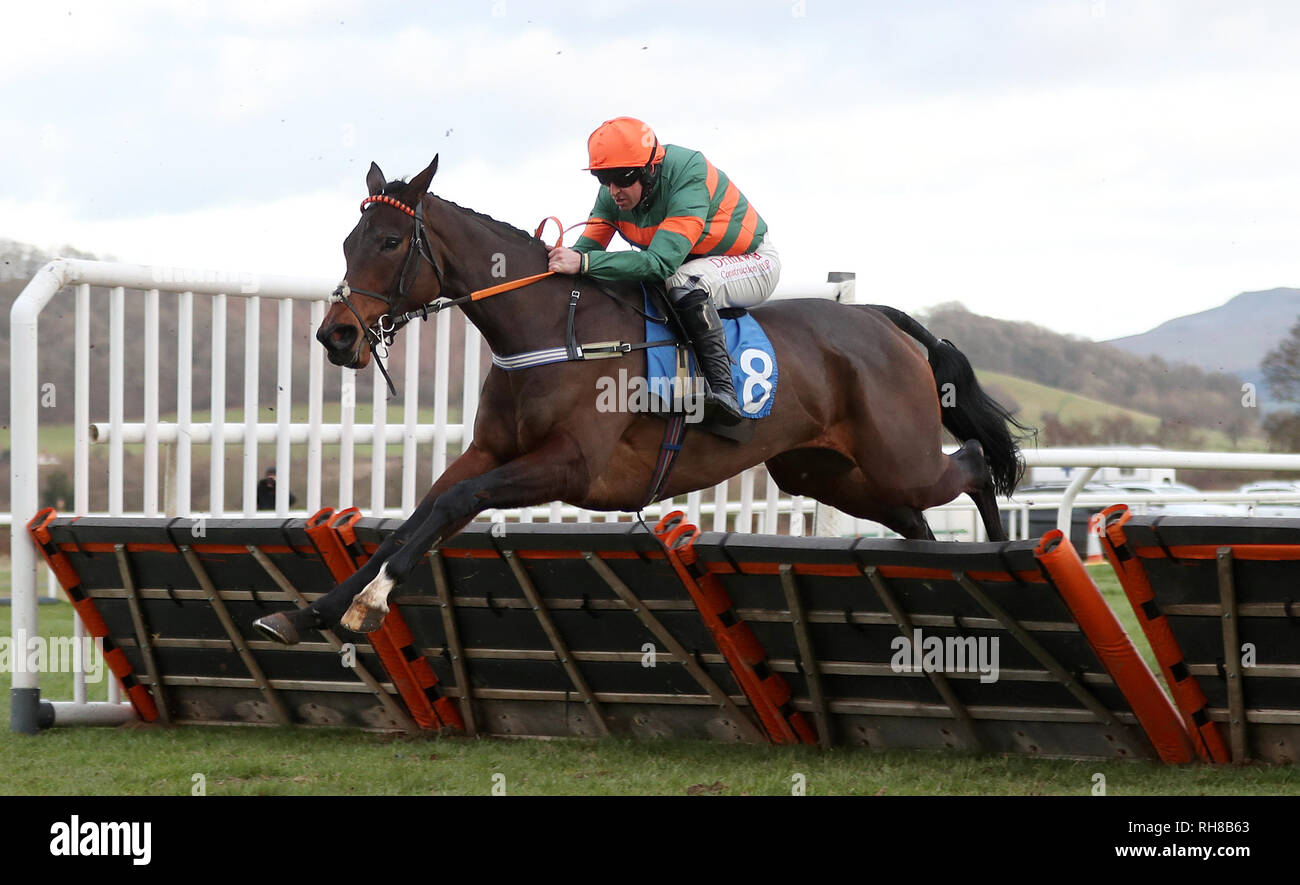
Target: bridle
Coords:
[(380, 335)]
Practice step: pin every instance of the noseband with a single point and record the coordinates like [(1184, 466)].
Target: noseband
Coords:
[(380, 335)]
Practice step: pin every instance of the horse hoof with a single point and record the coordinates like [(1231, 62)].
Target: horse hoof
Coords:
[(278, 628), (360, 618)]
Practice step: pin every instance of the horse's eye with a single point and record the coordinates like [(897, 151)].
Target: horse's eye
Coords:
[(391, 243)]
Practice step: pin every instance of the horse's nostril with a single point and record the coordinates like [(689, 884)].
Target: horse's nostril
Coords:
[(339, 337)]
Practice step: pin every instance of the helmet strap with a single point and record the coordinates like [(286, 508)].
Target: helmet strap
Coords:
[(649, 174)]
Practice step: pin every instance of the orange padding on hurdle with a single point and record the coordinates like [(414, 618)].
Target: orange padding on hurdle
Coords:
[(1103, 631), (329, 540), (1191, 701), (118, 663), (327, 544), (737, 642), (1257, 552), (412, 675)]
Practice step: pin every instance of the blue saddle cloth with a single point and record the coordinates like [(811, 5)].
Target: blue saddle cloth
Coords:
[(753, 362)]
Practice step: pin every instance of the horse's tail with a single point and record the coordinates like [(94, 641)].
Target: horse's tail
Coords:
[(968, 412)]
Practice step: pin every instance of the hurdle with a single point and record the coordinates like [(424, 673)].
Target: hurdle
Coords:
[(567, 631), (618, 629), (835, 615), (1217, 600), (172, 601)]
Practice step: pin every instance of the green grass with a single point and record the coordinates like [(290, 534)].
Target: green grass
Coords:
[(148, 760), (278, 761), (1104, 577)]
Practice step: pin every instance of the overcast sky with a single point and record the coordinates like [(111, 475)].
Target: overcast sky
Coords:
[(1094, 166)]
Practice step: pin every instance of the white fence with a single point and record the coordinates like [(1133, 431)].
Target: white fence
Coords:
[(165, 482)]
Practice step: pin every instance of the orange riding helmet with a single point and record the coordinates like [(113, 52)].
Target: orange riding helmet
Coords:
[(623, 143), (624, 151)]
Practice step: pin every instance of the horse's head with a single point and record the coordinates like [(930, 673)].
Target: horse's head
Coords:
[(392, 267)]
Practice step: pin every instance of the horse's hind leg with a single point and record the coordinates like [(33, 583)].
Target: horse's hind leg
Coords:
[(908, 522), (966, 472), (970, 460), (833, 479)]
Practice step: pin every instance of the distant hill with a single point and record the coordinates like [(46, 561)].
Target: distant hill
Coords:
[(1186, 399), (1231, 338), (1035, 401)]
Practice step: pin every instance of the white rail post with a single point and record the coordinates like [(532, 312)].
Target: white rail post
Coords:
[(283, 407), (745, 519), (81, 408), (1065, 514), (252, 360), (116, 390), (348, 409), (378, 441), (410, 417), (217, 410), (829, 522), (770, 512), (720, 507), (315, 401), (25, 693), (184, 400), (151, 403), (441, 386)]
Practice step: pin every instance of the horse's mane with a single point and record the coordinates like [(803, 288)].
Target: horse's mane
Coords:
[(394, 187)]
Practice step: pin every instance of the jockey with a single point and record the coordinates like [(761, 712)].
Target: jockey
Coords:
[(695, 230)]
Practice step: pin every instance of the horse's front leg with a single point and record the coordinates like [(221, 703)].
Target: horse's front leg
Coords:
[(553, 472), (287, 627)]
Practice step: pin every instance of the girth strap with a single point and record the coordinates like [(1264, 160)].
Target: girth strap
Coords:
[(599, 350), (671, 447)]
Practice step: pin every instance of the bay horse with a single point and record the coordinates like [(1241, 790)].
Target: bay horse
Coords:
[(855, 421)]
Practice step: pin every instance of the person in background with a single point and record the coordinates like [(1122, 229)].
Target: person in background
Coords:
[(266, 492)]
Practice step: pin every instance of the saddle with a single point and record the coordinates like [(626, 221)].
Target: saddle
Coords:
[(657, 301)]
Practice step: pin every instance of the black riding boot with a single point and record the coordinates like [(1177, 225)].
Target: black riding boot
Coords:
[(704, 326)]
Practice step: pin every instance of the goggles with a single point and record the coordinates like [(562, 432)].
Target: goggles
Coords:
[(620, 177)]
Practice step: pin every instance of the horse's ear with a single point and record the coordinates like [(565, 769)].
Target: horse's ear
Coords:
[(420, 184), (375, 179)]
